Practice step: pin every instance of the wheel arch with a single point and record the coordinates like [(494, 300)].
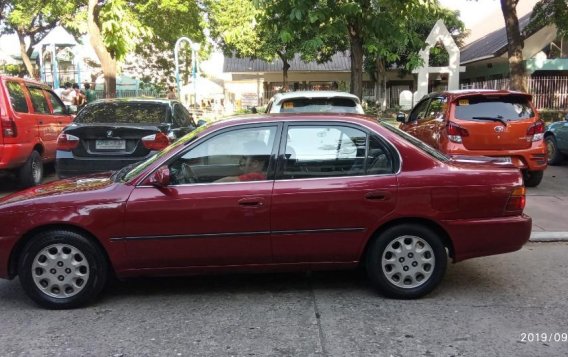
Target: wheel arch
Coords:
[(428, 223), (17, 250)]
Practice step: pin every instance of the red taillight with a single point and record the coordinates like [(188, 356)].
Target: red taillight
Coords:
[(67, 142), (536, 131), (9, 129), (517, 200), (156, 141), (456, 132)]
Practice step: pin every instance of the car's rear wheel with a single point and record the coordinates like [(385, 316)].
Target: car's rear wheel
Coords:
[(62, 269), (555, 157), (406, 261), (31, 173), (532, 178)]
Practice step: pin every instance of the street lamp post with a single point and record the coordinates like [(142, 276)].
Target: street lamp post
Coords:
[(194, 48)]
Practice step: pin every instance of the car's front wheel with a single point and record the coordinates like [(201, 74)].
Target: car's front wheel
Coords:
[(62, 269), (406, 261), (555, 157)]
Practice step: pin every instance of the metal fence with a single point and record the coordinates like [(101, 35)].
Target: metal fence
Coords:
[(548, 92)]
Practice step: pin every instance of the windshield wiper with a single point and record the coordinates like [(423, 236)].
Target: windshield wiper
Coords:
[(498, 118)]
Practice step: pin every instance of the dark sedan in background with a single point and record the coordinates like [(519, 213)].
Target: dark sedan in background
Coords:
[(110, 134)]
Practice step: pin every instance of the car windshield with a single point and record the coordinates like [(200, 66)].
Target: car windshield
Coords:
[(131, 171), (318, 105), (418, 143), (123, 113), (505, 107)]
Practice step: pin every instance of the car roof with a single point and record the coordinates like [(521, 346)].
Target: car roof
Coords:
[(136, 100), (466, 92), (315, 94), (25, 80)]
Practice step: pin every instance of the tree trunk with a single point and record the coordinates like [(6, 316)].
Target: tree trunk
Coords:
[(382, 83), (356, 61), (285, 67), (108, 64), (25, 57), (515, 46)]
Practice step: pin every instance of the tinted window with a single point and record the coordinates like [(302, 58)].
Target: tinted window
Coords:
[(55, 103), (324, 151), (419, 111), (181, 117), (315, 105), (125, 113), (17, 97), (379, 159), (38, 101), (503, 107), (233, 156)]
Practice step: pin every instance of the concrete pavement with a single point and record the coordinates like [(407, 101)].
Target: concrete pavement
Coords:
[(547, 204)]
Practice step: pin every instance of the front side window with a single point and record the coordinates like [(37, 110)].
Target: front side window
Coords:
[(237, 155), (17, 97), (38, 101), (56, 103), (324, 151), (180, 120), (419, 111)]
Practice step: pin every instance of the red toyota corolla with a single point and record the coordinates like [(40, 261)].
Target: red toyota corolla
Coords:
[(275, 192)]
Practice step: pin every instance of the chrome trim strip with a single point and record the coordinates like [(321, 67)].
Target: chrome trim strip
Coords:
[(233, 234)]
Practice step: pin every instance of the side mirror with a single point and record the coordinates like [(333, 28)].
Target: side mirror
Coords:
[(201, 122), (401, 117), (160, 177)]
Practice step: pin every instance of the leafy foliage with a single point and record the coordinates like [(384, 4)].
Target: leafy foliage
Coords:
[(547, 12)]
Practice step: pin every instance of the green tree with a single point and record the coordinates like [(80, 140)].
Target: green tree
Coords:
[(550, 12), (34, 19)]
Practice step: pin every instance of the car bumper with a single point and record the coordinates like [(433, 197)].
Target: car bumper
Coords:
[(533, 159), (67, 166), (470, 238)]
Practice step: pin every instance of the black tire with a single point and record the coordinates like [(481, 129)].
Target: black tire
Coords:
[(429, 262), (555, 157), (532, 178), (77, 261), (31, 174)]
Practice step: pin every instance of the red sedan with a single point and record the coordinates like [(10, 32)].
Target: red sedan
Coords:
[(275, 192)]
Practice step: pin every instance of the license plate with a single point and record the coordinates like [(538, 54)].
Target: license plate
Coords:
[(110, 144)]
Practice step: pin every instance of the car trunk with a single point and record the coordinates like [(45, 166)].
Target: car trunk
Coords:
[(495, 122), (118, 141)]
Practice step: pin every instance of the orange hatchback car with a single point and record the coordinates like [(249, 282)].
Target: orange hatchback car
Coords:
[(494, 123)]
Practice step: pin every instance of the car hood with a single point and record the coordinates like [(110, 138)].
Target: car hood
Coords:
[(72, 191)]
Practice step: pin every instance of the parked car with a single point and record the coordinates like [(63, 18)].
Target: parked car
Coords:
[(110, 134), (314, 102), (31, 118), (482, 122), (556, 139), (263, 193)]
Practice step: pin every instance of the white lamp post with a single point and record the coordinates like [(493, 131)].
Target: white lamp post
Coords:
[(194, 48)]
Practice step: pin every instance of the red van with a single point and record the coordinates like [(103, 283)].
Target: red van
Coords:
[(31, 118)]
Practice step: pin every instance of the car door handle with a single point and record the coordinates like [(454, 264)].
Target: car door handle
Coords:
[(40, 122), (251, 202), (377, 196)]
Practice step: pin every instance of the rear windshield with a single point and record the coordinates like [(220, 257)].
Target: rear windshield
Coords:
[(125, 113), (317, 105), (501, 107)]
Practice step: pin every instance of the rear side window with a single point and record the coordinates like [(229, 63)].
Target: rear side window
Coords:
[(38, 101), (17, 97), (124, 113), (508, 107), (317, 105)]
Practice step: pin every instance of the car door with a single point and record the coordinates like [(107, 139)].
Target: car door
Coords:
[(434, 121), (415, 118), (62, 119), (197, 221), (47, 124), (335, 182)]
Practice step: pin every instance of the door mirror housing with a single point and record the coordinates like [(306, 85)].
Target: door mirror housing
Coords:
[(160, 177), (401, 117)]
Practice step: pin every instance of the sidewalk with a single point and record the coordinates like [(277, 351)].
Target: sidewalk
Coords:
[(547, 204)]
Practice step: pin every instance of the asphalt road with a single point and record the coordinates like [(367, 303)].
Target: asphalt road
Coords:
[(483, 308)]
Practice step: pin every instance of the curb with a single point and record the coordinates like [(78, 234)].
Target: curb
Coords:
[(549, 237)]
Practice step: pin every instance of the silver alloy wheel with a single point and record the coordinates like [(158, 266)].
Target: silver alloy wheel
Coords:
[(408, 262), (60, 270)]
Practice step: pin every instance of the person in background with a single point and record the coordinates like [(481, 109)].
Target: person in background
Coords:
[(79, 99), (90, 95), (67, 95), (171, 93)]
